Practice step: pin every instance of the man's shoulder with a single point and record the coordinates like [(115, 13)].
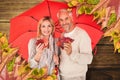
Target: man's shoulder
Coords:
[(80, 30)]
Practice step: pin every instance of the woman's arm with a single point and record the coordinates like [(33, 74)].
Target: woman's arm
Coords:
[(32, 53)]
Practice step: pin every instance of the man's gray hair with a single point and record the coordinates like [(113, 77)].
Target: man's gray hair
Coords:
[(64, 10)]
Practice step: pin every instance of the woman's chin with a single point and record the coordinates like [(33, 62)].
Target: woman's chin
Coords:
[(46, 34)]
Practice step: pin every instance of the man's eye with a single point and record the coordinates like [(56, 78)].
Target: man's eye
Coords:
[(43, 26), (60, 20), (66, 18)]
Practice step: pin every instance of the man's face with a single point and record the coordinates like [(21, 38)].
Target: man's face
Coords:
[(65, 21)]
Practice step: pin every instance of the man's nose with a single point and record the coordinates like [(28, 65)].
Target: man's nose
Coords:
[(64, 22)]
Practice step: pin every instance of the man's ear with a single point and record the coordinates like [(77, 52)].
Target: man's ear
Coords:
[(71, 16)]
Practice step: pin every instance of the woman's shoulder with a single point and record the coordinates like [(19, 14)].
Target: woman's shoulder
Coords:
[(32, 40)]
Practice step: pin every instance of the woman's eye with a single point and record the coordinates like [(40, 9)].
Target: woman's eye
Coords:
[(49, 25)]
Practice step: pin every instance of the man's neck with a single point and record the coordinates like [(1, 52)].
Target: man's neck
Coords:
[(71, 28)]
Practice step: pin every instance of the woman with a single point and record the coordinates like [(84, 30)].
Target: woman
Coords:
[(41, 49)]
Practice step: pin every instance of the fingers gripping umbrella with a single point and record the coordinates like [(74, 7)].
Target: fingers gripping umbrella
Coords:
[(24, 26)]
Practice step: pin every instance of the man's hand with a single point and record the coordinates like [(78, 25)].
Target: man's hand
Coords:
[(68, 48)]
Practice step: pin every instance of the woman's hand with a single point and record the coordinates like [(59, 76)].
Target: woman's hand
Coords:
[(39, 50)]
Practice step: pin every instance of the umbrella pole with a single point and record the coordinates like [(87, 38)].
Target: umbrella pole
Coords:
[(49, 8)]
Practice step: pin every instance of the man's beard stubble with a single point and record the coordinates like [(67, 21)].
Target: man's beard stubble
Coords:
[(68, 26)]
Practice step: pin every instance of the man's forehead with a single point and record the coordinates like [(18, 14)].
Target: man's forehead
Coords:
[(63, 14)]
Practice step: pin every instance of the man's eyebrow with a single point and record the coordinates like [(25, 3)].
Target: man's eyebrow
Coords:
[(66, 18), (61, 19)]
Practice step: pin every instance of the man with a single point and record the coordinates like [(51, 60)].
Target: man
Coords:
[(75, 56)]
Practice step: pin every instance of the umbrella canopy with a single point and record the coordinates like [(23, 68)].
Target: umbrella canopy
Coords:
[(22, 43), (24, 26), (29, 19)]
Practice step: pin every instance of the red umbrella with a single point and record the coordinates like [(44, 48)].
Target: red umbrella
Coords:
[(24, 26)]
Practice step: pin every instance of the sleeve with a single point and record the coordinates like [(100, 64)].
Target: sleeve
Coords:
[(31, 53), (84, 55)]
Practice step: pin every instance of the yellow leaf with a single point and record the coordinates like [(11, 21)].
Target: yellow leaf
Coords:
[(74, 2)]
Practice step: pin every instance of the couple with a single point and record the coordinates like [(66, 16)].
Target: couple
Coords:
[(74, 57)]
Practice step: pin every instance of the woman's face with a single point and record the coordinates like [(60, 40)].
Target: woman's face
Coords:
[(46, 28)]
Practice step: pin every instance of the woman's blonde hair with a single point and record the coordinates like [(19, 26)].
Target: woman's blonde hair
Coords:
[(41, 21)]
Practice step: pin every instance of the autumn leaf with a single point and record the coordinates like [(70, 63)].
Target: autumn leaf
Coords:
[(116, 44), (40, 41), (72, 3), (81, 1), (98, 6), (64, 40), (81, 10), (10, 65), (100, 14), (112, 19), (94, 2), (119, 50), (23, 69)]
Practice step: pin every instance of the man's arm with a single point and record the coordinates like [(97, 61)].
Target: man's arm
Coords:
[(84, 56)]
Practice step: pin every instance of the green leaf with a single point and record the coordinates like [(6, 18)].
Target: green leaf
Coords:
[(115, 33), (93, 2), (96, 15), (22, 69), (1, 34), (54, 76), (74, 2), (10, 65), (119, 50), (88, 10), (80, 1), (5, 45), (113, 18), (31, 79), (81, 10), (35, 72), (70, 4)]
